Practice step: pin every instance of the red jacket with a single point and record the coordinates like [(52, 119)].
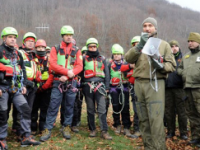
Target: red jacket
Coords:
[(58, 69), (47, 83), (126, 67)]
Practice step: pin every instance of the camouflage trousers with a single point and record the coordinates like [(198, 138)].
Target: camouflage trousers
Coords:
[(192, 105), (150, 106)]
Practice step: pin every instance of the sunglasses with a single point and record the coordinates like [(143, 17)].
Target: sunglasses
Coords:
[(92, 46)]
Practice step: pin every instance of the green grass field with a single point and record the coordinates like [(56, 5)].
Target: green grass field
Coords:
[(81, 141)]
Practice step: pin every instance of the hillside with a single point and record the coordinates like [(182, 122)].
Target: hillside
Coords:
[(110, 21)]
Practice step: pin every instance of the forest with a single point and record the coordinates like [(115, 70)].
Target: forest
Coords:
[(110, 21)]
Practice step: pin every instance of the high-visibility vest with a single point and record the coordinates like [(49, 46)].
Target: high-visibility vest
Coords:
[(94, 67)]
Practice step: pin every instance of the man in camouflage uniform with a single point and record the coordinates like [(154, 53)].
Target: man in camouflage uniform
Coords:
[(174, 94), (150, 102), (189, 69)]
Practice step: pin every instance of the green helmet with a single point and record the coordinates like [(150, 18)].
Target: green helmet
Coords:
[(29, 34), (92, 41), (117, 49), (135, 39), (66, 30), (84, 49), (9, 31), (48, 48)]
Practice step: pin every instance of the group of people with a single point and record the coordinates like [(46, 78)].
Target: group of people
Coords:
[(38, 79)]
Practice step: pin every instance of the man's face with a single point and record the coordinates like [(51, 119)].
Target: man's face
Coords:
[(67, 38), (192, 44), (92, 47), (175, 49), (41, 48), (30, 44), (10, 40), (134, 44), (149, 28), (117, 57)]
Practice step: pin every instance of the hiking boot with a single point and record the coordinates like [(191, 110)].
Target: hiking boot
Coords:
[(105, 135), (3, 145), (46, 134), (118, 129), (127, 132), (137, 133), (93, 133), (183, 136), (170, 135), (33, 132), (66, 132), (194, 141), (75, 129), (27, 141)]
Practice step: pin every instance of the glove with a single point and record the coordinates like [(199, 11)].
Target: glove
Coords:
[(157, 63), (143, 39)]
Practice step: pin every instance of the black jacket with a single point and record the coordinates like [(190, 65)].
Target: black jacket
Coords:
[(174, 80), (9, 52)]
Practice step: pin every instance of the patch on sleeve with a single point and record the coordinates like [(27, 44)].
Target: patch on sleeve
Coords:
[(81, 57)]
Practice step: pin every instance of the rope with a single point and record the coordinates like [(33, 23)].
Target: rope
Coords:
[(63, 87), (121, 100), (16, 86)]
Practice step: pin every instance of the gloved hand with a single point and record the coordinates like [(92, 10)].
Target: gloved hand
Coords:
[(143, 39), (157, 63)]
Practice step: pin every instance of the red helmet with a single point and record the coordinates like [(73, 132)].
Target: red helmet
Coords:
[(40, 42)]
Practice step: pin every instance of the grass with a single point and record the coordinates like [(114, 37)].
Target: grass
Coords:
[(81, 141)]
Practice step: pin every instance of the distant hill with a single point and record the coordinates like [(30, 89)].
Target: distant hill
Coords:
[(110, 21)]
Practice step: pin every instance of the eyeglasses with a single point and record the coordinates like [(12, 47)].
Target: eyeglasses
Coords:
[(92, 46)]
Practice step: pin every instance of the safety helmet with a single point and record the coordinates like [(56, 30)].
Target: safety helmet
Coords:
[(29, 34), (117, 49), (48, 48), (84, 49), (9, 31), (66, 30), (92, 41), (41, 42), (135, 39)]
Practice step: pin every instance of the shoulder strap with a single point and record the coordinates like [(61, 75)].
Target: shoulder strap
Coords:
[(57, 47), (74, 51)]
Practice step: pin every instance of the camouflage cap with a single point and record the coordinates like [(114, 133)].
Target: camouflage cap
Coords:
[(194, 37), (174, 42)]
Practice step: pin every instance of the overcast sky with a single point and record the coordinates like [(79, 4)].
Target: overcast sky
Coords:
[(192, 4)]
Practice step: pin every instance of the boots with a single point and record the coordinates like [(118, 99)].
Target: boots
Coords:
[(66, 132), (105, 135), (46, 134), (93, 133), (118, 129), (27, 141), (3, 145), (137, 134), (75, 129), (127, 132)]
